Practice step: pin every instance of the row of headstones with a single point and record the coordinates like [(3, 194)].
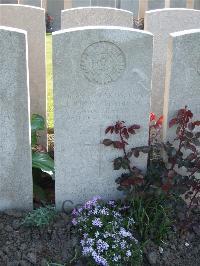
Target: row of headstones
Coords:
[(101, 75), (137, 7)]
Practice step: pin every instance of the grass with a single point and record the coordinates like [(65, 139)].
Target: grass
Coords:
[(49, 77)]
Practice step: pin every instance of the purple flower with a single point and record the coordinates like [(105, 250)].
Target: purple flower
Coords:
[(102, 245), (74, 221), (97, 222), (125, 233), (111, 202), (75, 212), (128, 253), (99, 260), (87, 250), (123, 244)]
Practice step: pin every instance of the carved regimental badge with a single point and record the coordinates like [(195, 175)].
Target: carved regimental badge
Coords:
[(103, 62)]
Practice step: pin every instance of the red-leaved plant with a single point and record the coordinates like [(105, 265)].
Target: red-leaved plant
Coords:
[(133, 176), (163, 177), (183, 152)]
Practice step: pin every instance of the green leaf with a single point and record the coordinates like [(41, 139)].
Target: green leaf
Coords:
[(43, 161), (33, 138), (37, 122)]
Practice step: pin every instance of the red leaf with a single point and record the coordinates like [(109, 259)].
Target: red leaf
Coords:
[(135, 126), (118, 144), (125, 133), (109, 129), (166, 187), (189, 114), (152, 117), (132, 181), (131, 130), (160, 121), (171, 174), (172, 122), (196, 123)]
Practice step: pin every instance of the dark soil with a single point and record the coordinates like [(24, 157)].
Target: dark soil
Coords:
[(56, 243)]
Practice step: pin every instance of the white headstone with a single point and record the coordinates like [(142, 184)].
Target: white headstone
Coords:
[(80, 3), (130, 5), (15, 150), (54, 9), (8, 1), (178, 3), (31, 19), (182, 77), (155, 4), (96, 16), (108, 3), (37, 3), (161, 23), (101, 75)]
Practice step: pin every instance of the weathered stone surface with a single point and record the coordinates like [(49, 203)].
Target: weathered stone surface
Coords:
[(8, 1), (155, 4), (161, 23), (178, 3), (132, 6), (96, 16), (108, 3), (15, 151), (37, 3), (182, 76), (101, 75), (80, 3), (31, 19)]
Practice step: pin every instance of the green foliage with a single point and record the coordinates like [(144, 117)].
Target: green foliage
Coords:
[(44, 162), (40, 217), (152, 218), (40, 158)]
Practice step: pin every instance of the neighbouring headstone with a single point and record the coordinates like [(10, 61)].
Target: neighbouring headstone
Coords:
[(80, 3), (130, 5), (108, 3), (101, 75), (182, 77), (8, 1), (161, 23), (196, 4), (37, 3), (54, 9), (31, 19), (178, 3), (96, 16), (155, 4), (15, 150)]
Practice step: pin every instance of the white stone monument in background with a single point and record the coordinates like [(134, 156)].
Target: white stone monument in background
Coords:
[(182, 77), (161, 23), (101, 75), (16, 188), (31, 19), (96, 16)]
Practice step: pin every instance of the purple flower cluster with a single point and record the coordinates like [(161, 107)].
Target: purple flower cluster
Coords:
[(105, 236)]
